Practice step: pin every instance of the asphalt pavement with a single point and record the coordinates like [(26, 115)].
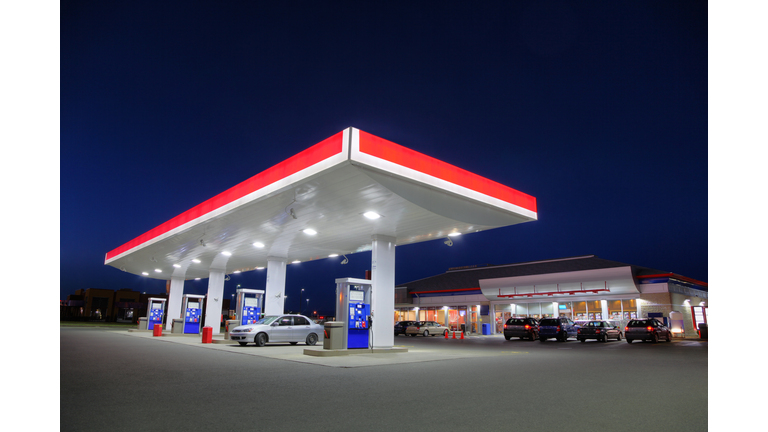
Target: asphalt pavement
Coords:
[(120, 380)]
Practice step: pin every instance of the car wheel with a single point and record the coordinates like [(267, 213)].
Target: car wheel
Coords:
[(581, 339), (534, 336), (655, 338), (604, 338), (426, 333), (542, 339), (563, 337), (311, 339), (618, 338), (260, 339), (629, 340), (243, 343), (668, 339), (413, 334)]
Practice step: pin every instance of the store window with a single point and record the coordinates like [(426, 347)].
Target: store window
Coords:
[(580, 311), (629, 309)]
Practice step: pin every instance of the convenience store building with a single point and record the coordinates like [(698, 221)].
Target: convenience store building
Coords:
[(581, 288)]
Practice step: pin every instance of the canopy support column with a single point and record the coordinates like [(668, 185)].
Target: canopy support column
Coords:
[(274, 299), (174, 301), (213, 301), (383, 291)]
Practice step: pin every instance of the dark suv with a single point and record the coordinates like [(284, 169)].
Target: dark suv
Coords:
[(559, 328), (647, 329), (524, 328), (400, 326)]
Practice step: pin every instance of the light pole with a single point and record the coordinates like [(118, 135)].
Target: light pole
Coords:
[(307, 304), (302, 292)]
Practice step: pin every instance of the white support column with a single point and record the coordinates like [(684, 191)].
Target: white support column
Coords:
[(214, 301), (174, 301), (383, 290), (604, 307), (274, 298)]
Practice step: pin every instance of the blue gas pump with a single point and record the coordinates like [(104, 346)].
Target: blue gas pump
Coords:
[(155, 312), (193, 313), (249, 305), (359, 313), (354, 308)]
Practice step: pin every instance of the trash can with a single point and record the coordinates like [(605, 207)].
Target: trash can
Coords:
[(486, 329), (143, 323), (230, 325), (703, 331), (177, 326), (333, 335), (207, 334)]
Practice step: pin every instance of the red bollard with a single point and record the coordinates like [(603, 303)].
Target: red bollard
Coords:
[(207, 334), (157, 330)]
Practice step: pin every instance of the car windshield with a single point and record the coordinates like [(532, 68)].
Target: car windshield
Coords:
[(594, 324), (267, 320)]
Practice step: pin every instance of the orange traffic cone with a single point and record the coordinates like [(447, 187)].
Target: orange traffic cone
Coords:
[(462, 335), (454, 335), (446, 335)]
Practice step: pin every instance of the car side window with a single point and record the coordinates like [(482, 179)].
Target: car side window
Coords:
[(286, 321), (300, 321)]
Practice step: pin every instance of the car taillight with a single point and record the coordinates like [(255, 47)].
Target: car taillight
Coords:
[(505, 326), (558, 328), (649, 328), (527, 327), (626, 328), (578, 331), (597, 331)]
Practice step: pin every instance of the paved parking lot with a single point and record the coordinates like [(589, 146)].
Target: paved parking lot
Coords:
[(116, 380)]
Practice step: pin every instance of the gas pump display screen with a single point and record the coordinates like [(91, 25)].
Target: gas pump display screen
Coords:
[(193, 305), (157, 305), (251, 302), (356, 296)]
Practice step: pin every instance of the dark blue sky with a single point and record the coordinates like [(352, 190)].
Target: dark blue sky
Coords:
[(598, 109)]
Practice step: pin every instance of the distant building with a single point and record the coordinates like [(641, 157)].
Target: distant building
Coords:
[(581, 288)]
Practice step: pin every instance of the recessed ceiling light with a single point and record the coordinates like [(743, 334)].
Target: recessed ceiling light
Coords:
[(145, 273), (158, 271), (236, 271), (258, 244), (197, 278), (196, 261), (259, 268), (309, 231), (371, 215), (225, 253), (333, 255), (295, 262), (454, 234), (177, 266)]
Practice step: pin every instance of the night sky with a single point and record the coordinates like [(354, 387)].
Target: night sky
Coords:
[(598, 109)]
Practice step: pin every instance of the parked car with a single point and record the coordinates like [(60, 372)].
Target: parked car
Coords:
[(598, 330), (401, 326), (558, 328), (426, 328), (278, 328), (524, 328), (647, 329)]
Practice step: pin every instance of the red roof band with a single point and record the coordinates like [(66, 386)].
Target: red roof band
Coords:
[(332, 146)]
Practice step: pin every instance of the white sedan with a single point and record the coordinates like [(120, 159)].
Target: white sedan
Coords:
[(278, 328)]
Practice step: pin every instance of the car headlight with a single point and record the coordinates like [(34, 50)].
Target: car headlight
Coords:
[(250, 330)]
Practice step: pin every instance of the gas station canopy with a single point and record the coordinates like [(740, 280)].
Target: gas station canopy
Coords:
[(329, 199)]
